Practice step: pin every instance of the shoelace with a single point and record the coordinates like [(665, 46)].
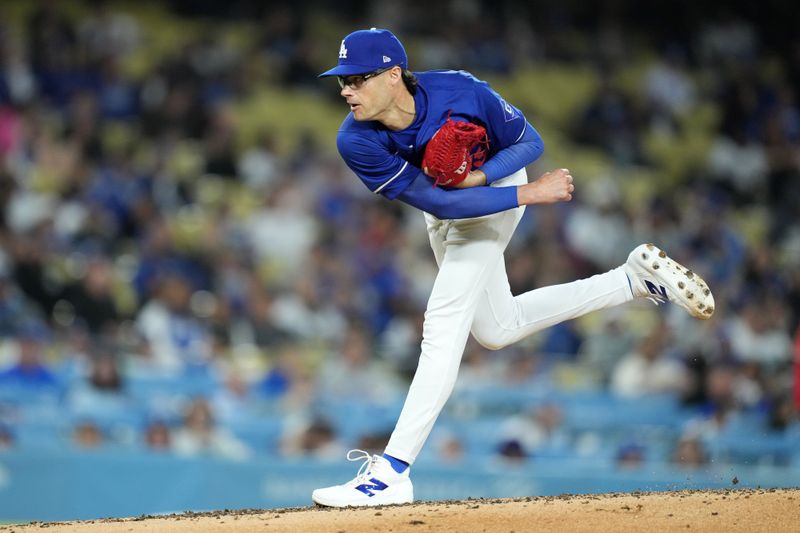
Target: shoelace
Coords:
[(366, 466)]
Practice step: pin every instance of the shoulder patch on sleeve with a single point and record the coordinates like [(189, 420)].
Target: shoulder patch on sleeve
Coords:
[(509, 113)]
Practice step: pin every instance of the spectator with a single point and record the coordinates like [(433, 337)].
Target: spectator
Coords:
[(258, 166), (106, 32), (353, 371), (91, 297), (234, 400), (541, 427), (15, 308), (87, 435), (603, 212), (449, 448), (102, 394), (401, 338), (29, 372), (478, 369), (158, 436), (667, 85), (630, 456), (258, 325), (290, 384), (722, 403), (306, 314), (219, 149), (6, 438), (524, 369), (782, 414), (317, 438), (758, 334), (199, 435), (29, 258), (287, 372), (649, 369), (17, 86), (689, 453), (612, 122), (52, 41), (283, 231), (739, 165), (727, 39), (373, 442), (178, 341), (511, 452), (603, 345)]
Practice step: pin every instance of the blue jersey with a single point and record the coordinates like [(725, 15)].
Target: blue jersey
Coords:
[(389, 161)]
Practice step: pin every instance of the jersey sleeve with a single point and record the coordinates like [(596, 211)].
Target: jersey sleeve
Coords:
[(505, 123), (381, 171), (458, 203), (512, 158)]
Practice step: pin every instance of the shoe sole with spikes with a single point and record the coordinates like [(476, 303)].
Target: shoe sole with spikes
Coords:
[(659, 277)]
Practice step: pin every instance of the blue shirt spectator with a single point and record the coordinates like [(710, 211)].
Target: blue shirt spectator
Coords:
[(29, 371)]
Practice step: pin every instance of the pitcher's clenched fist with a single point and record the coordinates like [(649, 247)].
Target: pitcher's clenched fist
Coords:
[(549, 188)]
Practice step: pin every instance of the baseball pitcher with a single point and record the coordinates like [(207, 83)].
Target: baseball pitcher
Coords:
[(447, 144)]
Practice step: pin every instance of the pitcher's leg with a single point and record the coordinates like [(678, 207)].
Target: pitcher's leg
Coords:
[(445, 334), (502, 319), (466, 267)]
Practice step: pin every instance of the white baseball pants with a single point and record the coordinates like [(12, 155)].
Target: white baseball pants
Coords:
[(471, 293)]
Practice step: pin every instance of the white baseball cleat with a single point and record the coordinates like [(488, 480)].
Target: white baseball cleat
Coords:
[(377, 483), (654, 275)]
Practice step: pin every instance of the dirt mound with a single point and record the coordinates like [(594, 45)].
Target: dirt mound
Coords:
[(773, 510)]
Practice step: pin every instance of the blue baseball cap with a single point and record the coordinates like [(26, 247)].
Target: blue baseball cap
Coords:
[(366, 51)]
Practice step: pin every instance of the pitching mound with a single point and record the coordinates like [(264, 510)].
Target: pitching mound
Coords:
[(773, 510)]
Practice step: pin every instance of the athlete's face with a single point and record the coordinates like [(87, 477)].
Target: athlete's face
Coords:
[(370, 94)]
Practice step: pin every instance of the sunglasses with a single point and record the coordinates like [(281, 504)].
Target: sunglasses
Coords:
[(357, 81)]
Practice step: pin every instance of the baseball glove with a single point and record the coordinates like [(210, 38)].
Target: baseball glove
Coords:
[(453, 151)]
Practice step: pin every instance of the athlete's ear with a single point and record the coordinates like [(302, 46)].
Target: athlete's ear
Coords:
[(396, 74)]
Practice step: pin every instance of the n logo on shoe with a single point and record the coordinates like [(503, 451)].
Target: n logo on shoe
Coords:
[(658, 291), (376, 485)]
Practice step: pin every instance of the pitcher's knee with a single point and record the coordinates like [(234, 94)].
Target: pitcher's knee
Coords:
[(490, 340)]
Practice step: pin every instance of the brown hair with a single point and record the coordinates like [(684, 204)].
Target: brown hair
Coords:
[(410, 81)]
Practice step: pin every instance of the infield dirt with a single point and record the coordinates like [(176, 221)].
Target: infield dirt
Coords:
[(772, 510)]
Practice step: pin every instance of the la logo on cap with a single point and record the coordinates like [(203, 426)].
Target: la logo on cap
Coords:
[(342, 51)]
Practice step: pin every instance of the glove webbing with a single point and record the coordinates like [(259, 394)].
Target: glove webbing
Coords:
[(462, 137)]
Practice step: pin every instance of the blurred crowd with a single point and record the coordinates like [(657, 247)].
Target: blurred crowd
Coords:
[(143, 241)]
